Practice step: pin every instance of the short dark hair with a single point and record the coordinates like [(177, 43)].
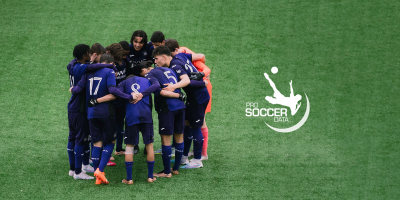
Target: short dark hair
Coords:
[(125, 45), (144, 64), (80, 50), (142, 34), (107, 58), (161, 50), (172, 44), (157, 36), (116, 51), (97, 48)]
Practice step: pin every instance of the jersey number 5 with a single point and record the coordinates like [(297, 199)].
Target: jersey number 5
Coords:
[(168, 77), (91, 84)]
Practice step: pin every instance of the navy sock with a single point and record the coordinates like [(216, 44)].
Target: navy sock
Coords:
[(187, 138), (128, 167), (96, 153), (178, 155), (86, 155), (78, 158), (197, 142), (91, 146), (150, 168), (71, 156), (166, 158), (105, 156)]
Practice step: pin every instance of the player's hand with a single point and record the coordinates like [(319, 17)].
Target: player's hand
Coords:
[(170, 87), (196, 76), (182, 97), (92, 103), (70, 89), (206, 82), (137, 97), (208, 77)]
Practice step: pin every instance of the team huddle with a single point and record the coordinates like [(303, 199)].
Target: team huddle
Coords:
[(112, 102)]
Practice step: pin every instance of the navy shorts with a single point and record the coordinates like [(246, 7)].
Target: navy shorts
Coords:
[(132, 133), (195, 113), (78, 128), (102, 129), (171, 122)]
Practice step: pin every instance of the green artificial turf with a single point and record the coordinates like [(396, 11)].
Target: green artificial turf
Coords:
[(343, 54)]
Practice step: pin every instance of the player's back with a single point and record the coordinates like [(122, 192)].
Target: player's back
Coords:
[(97, 84), (77, 103), (182, 62), (141, 111), (165, 76)]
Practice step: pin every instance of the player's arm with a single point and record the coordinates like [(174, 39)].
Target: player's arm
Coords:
[(71, 64), (80, 87), (112, 89), (184, 81), (108, 97), (199, 57), (155, 85), (97, 66), (180, 96), (202, 83)]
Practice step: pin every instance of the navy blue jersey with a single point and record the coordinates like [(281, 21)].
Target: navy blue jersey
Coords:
[(136, 57), (162, 75), (121, 71), (97, 84), (181, 64), (141, 111), (121, 74), (77, 103)]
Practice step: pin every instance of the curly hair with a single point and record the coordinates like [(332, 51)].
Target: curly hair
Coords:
[(80, 50), (142, 34), (116, 51)]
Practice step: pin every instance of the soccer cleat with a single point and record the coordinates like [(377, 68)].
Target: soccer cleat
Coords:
[(83, 176), (159, 151), (202, 157), (100, 175), (190, 154), (88, 168), (111, 163), (98, 181), (71, 172), (194, 163), (130, 182), (184, 160)]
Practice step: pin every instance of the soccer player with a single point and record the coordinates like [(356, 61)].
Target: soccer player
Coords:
[(101, 117), (198, 60), (197, 100), (138, 118), (95, 52), (117, 52), (170, 111), (78, 141), (139, 50)]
